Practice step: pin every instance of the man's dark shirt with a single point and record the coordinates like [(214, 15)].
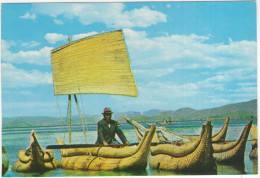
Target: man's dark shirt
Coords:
[(108, 134)]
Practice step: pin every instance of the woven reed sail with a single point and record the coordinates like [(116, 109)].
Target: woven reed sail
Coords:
[(93, 65)]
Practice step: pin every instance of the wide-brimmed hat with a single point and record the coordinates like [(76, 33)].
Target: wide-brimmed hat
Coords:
[(107, 111)]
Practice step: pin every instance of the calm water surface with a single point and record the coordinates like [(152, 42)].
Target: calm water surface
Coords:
[(19, 139)]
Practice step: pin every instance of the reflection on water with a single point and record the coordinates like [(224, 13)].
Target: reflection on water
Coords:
[(227, 169), (176, 173), (255, 166), (69, 173)]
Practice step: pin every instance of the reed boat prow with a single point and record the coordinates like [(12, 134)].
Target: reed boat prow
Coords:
[(254, 151), (158, 137), (221, 135), (232, 151), (108, 158), (198, 156), (5, 161), (35, 159)]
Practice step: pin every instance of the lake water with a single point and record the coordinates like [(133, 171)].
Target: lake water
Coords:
[(19, 139)]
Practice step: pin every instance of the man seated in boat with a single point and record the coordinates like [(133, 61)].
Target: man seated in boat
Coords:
[(108, 128)]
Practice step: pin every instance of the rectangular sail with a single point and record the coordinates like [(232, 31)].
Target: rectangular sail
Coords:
[(93, 65)]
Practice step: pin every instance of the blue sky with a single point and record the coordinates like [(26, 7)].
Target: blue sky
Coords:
[(183, 54)]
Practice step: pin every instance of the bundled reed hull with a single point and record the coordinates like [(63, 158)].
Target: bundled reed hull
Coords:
[(158, 137), (254, 151), (218, 137), (164, 135), (232, 152), (35, 159), (221, 135), (107, 158), (5, 161), (193, 156)]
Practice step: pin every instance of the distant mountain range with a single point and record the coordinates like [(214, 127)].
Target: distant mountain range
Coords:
[(243, 110)]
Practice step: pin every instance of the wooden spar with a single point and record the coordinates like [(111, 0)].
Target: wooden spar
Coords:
[(84, 146), (82, 122), (92, 145), (69, 107)]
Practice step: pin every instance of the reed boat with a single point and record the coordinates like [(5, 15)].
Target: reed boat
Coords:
[(108, 158), (158, 137), (35, 159), (254, 151), (193, 156), (5, 161), (217, 137), (232, 152), (166, 122), (97, 64), (164, 135)]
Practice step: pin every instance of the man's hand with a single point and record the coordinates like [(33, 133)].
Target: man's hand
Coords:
[(105, 143)]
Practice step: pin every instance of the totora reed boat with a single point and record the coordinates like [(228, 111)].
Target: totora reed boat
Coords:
[(232, 152), (35, 159), (5, 161), (158, 137), (166, 136), (96, 64), (254, 151), (166, 122), (115, 157), (217, 137), (193, 156)]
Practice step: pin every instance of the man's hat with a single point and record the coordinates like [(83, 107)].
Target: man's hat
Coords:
[(107, 111)]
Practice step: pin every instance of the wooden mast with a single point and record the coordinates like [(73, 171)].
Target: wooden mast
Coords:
[(82, 122), (69, 98)]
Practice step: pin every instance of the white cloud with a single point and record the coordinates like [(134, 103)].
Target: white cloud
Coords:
[(30, 44), (41, 57), (225, 67), (157, 73), (83, 35), (28, 15), (59, 22), (162, 90), (161, 95), (15, 77), (143, 17), (188, 51), (31, 108), (111, 14), (214, 83), (217, 100), (246, 84), (52, 38)]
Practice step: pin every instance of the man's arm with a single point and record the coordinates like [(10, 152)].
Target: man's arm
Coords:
[(121, 135)]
